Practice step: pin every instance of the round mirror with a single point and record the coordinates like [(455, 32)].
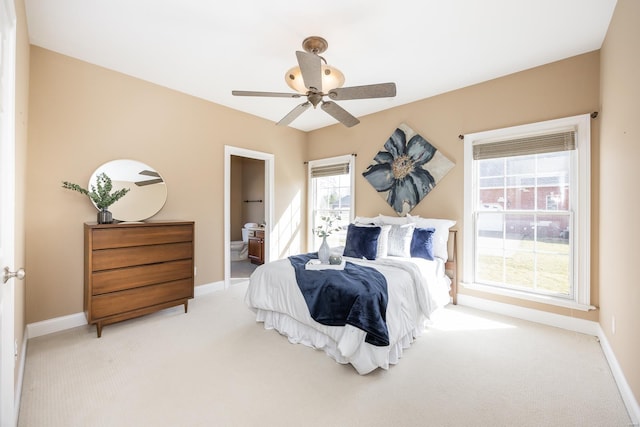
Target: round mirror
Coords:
[(147, 190)]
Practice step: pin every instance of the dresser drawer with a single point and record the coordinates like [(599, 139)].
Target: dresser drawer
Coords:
[(119, 302), (106, 238), (105, 259), (135, 277)]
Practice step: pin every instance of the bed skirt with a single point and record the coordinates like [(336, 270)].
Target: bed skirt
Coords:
[(350, 346)]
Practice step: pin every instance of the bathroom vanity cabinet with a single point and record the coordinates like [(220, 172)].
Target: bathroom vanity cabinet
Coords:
[(132, 269), (256, 246)]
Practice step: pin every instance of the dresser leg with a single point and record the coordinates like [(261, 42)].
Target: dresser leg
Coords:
[(186, 306), (99, 329)]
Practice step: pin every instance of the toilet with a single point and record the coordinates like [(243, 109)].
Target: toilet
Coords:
[(240, 248)]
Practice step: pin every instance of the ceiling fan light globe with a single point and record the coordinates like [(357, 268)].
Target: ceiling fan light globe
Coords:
[(294, 80), (332, 78)]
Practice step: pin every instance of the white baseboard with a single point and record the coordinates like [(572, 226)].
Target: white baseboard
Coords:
[(63, 323), (56, 324), (588, 327), (625, 390), (21, 364), (208, 288), (569, 323)]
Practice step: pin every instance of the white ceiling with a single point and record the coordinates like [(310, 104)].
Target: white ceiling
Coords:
[(207, 48)]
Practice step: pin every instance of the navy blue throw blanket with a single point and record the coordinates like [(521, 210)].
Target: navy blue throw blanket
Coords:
[(356, 296)]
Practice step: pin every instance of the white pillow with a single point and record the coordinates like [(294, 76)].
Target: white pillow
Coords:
[(393, 220), (383, 241), (440, 236), (365, 220), (400, 237)]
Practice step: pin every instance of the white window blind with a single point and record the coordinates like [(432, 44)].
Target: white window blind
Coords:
[(562, 141), (329, 170)]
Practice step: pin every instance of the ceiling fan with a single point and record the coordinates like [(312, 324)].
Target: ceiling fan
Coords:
[(314, 80)]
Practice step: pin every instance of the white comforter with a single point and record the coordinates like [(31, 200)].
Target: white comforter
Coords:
[(416, 288)]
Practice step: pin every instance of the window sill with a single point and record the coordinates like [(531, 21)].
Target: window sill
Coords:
[(543, 299)]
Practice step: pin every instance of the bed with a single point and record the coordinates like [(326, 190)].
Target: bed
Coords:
[(414, 258)]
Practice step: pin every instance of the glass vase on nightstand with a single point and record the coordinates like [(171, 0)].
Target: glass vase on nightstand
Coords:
[(324, 252)]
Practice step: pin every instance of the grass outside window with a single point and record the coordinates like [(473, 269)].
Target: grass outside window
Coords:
[(526, 264)]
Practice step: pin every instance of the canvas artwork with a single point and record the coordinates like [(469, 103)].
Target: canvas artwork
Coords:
[(406, 169)]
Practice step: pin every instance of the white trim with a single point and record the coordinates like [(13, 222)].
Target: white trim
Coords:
[(350, 158), (21, 364), (269, 180), (574, 324), (567, 303), (57, 324), (208, 288), (623, 386), (581, 198)]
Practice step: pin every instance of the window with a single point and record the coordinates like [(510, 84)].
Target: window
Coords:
[(527, 211), (330, 192)]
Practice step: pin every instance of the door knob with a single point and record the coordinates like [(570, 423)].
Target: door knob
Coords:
[(9, 274)]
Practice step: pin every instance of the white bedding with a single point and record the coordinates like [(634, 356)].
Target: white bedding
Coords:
[(416, 288)]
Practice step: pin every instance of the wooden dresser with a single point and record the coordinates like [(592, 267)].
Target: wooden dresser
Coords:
[(132, 269)]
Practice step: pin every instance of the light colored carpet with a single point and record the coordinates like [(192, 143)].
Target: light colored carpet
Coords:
[(216, 366), (242, 269)]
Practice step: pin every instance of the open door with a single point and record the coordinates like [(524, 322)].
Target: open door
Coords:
[(7, 211)]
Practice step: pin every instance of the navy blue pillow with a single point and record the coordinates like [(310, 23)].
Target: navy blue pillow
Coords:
[(422, 243), (362, 242)]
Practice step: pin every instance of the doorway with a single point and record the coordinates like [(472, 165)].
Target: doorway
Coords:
[(248, 205)]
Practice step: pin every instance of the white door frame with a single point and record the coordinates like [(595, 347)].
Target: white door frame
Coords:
[(8, 416), (268, 203)]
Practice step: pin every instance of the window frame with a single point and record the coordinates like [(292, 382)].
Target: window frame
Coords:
[(347, 158), (579, 241)]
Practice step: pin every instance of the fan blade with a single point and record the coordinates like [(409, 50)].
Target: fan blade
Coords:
[(311, 69), (149, 173), (272, 94), (381, 90), (148, 182), (293, 114), (340, 114)]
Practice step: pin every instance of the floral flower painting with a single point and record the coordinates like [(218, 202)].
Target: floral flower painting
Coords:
[(406, 169)]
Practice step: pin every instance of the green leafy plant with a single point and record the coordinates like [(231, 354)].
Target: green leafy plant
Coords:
[(100, 193), (328, 226)]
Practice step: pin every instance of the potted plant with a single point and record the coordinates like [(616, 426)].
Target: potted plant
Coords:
[(101, 195)]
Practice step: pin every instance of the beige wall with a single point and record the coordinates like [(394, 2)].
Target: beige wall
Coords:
[(620, 198), (253, 189), (560, 89), (82, 116), (22, 119), (247, 183), (235, 198)]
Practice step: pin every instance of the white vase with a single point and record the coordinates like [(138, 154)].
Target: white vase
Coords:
[(324, 252)]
